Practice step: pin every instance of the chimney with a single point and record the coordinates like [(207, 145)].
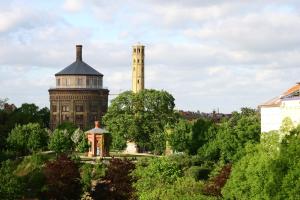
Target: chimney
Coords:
[(97, 124), (78, 52)]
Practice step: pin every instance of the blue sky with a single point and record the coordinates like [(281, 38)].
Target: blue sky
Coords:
[(207, 54)]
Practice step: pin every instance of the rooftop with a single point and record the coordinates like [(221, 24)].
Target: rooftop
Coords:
[(79, 67)]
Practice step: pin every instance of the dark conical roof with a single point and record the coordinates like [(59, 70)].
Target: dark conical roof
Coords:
[(79, 67)]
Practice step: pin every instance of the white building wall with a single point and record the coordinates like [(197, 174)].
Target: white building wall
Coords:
[(291, 109), (270, 118)]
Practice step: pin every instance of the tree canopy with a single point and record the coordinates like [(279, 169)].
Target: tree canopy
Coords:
[(140, 117)]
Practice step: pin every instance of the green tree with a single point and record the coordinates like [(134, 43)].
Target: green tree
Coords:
[(27, 113), (269, 170), (28, 138), (180, 136), (228, 144), (11, 186), (140, 117), (60, 141), (155, 173)]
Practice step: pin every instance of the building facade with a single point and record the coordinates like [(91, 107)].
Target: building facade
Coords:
[(274, 111), (138, 70), (79, 96)]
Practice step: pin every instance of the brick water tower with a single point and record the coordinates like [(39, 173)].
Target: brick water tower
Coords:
[(79, 96)]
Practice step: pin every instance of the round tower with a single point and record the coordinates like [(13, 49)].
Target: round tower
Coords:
[(138, 55), (79, 96)]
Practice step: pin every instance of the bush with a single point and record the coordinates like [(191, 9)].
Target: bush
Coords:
[(28, 138), (198, 172), (11, 186), (62, 179), (117, 183), (60, 141)]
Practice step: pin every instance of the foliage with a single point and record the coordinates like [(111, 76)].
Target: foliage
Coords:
[(286, 126), (80, 141), (155, 172), (28, 138), (83, 145), (27, 113), (140, 117), (256, 176), (30, 171), (197, 172), (90, 172), (232, 136), (62, 179), (215, 186), (183, 188), (117, 183), (180, 136), (11, 186), (3, 102), (60, 141)]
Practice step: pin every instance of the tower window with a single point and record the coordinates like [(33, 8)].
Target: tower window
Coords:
[(134, 69), (79, 81), (138, 50), (54, 108), (79, 108), (142, 51), (134, 50), (133, 60), (138, 60), (65, 108), (138, 81), (58, 82)]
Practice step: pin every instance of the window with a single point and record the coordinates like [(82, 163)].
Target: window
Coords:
[(65, 118), (138, 61), (79, 81), (65, 108), (88, 81), (133, 60), (58, 82), (133, 68), (79, 108), (54, 108), (53, 118), (95, 82), (134, 50), (68, 81), (138, 81), (138, 50), (142, 51)]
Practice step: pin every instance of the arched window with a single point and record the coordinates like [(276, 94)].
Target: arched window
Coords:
[(134, 50)]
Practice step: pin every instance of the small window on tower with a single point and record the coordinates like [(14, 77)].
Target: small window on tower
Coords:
[(138, 61), (138, 50), (133, 60), (134, 50), (58, 82), (138, 81)]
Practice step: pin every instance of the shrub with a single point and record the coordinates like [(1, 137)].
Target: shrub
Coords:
[(60, 141), (11, 186), (62, 179), (215, 186), (117, 183)]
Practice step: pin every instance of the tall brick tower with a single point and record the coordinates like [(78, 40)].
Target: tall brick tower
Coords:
[(79, 96), (138, 55)]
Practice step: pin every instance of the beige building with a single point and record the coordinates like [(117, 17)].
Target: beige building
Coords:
[(79, 96), (138, 69)]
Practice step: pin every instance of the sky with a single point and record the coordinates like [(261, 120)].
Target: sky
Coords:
[(209, 54)]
